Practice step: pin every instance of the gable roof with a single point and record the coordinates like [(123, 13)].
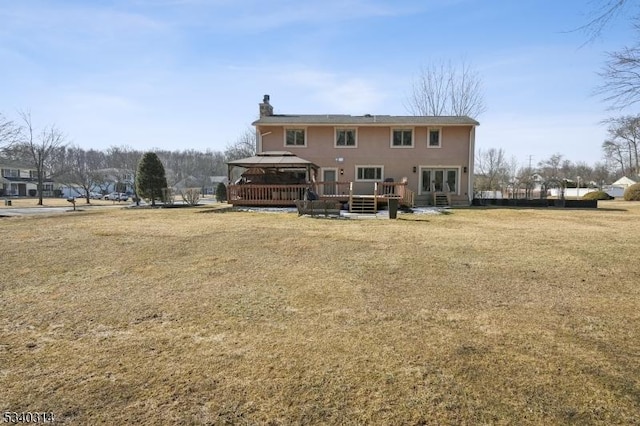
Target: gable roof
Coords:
[(624, 181), (15, 164), (361, 120), (218, 179)]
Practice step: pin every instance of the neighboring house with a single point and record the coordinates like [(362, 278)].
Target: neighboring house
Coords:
[(617, 188), (206, 187), (21, 180), (114, 180), (190, 182), (624, 182), (433, 155)]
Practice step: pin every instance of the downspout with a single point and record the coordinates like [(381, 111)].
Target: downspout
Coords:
[(472, 144), (258, 140)]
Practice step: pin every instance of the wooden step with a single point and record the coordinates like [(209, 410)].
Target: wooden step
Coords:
[(440, 200), (363, 205)]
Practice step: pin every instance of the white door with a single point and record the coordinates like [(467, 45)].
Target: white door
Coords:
[(329, 179)]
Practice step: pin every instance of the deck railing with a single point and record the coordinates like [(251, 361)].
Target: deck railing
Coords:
[(398, 190), (268, 195), (272, 195), (332, 189)]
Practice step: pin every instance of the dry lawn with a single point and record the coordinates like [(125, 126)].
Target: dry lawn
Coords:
[(483, 316), (56, 202)]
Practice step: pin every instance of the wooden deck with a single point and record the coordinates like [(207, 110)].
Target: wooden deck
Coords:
[(343, 192)]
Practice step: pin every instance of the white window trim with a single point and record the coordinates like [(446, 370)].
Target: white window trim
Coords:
[(335, 137), (369, 166), (439, 167), (306, 137), (413, 137), (439, 129), (335, 169)]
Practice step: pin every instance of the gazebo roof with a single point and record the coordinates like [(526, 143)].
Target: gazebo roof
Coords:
[(274, 159)]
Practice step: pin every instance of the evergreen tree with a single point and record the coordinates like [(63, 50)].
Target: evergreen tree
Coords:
[(221, 192), (151, 178)]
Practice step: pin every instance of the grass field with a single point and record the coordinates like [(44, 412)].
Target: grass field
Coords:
[(482, 316), (22, 202)]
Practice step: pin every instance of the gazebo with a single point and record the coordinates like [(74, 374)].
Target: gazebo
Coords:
[(275, 178)]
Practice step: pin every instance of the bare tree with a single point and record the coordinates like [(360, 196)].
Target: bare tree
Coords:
[(444, 89), (39, 148), (85, 170), (244, 146), (621, 77), (621, 71), (492, 169), (8, 131), (124, 160), (553, 172), (605, 12), (623, 143)]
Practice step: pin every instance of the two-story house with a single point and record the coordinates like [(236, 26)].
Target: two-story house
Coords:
[(433, 155), (18, 179)]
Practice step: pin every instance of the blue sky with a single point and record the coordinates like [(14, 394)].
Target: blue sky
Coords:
[(189, 74)]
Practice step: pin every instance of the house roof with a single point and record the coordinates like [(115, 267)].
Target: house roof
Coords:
[(273, 159), (624, 181), (218, 179), (360, 120), (15, 164)]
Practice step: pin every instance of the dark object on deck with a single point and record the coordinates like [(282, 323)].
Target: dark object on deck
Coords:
[(310, 195)]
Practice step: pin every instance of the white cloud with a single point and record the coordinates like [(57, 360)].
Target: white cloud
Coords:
[(335, 93)]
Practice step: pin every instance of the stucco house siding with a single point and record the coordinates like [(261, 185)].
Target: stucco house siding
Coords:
[(425, 156)]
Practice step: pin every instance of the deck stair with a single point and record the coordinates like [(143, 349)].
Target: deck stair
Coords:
[(363, 204), (441, 200)]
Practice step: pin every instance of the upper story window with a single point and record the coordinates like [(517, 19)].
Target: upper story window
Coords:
[(295, 137), (434, 138), (346, 138), (15, 173), (369, 173), (402, 138)]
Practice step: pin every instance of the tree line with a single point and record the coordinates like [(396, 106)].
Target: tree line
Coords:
[(48, 151)]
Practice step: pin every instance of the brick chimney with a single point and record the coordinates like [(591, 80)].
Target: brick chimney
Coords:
[(265, 107)]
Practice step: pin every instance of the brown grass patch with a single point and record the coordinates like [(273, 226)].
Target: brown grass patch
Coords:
[(168, 316)]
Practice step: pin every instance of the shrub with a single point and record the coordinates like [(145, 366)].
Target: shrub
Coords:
[(597, 195), (191, 196), (632, 193), (221, 192), (32, 192)]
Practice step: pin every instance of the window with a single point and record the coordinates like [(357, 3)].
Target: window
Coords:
[(434, 138), (295, 137), (345, 137), (439, 180), (369, 173), (402, 138), (11, 173)]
